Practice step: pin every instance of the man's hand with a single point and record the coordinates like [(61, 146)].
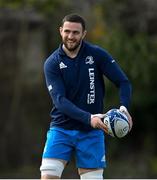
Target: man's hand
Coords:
[(124, 110), (97, 123)]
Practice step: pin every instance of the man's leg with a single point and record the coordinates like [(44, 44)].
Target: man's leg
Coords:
[(91, 173), (52, 168), (56, 154), (90, 154)]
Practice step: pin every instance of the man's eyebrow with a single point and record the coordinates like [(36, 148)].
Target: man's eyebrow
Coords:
[(68, 30)]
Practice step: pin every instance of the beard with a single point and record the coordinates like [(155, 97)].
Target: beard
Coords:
[(71, 46)]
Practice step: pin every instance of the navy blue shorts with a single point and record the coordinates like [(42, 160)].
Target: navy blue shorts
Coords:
[(88, 147)]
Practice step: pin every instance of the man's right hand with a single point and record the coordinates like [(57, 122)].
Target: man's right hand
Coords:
[(124, 110), (97, 123)]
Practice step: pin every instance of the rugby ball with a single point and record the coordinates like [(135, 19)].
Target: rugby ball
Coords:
[(117, 123)]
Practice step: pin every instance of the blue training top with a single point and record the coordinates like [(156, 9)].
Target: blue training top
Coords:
[(77, 87)]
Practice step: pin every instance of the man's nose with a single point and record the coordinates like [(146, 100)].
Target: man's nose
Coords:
[(71, 35)]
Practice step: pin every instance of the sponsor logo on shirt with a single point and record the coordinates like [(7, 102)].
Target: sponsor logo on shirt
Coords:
[(89, 60), (91, 94), (62, 65)]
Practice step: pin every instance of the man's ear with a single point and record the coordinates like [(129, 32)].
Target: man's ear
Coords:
[(60, 30), (84, 34)]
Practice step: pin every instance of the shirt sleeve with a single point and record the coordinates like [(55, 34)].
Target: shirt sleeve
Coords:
[(57, 92), (109, 67)]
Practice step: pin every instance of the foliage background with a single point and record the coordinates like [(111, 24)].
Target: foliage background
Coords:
[(29, 33)]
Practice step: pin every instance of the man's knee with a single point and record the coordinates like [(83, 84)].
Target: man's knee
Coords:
[(95, 174), (51, 168), (46, 176)]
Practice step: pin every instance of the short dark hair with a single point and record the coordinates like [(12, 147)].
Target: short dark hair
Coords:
[(75, 18)]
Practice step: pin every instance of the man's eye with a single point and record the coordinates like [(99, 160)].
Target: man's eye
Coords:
[(76, 32), (66, 31)]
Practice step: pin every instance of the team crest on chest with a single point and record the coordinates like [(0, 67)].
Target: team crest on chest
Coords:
[(89, 60)]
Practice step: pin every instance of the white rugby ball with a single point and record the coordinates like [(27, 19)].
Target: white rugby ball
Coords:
[(117, 123)]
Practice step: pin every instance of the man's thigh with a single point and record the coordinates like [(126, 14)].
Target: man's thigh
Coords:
[(90, 150), (58, 145)]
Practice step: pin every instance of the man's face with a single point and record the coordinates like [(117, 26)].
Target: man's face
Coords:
[(72, 34)]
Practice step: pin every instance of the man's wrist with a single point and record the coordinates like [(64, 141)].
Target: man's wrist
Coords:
[(123, 109)]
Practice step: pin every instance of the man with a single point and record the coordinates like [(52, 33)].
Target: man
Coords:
[(74, 77)]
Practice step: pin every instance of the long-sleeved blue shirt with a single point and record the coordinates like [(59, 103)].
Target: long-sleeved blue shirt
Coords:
[(77, 88)]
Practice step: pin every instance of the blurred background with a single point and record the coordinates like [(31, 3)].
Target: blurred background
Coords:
[(127, 29)]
